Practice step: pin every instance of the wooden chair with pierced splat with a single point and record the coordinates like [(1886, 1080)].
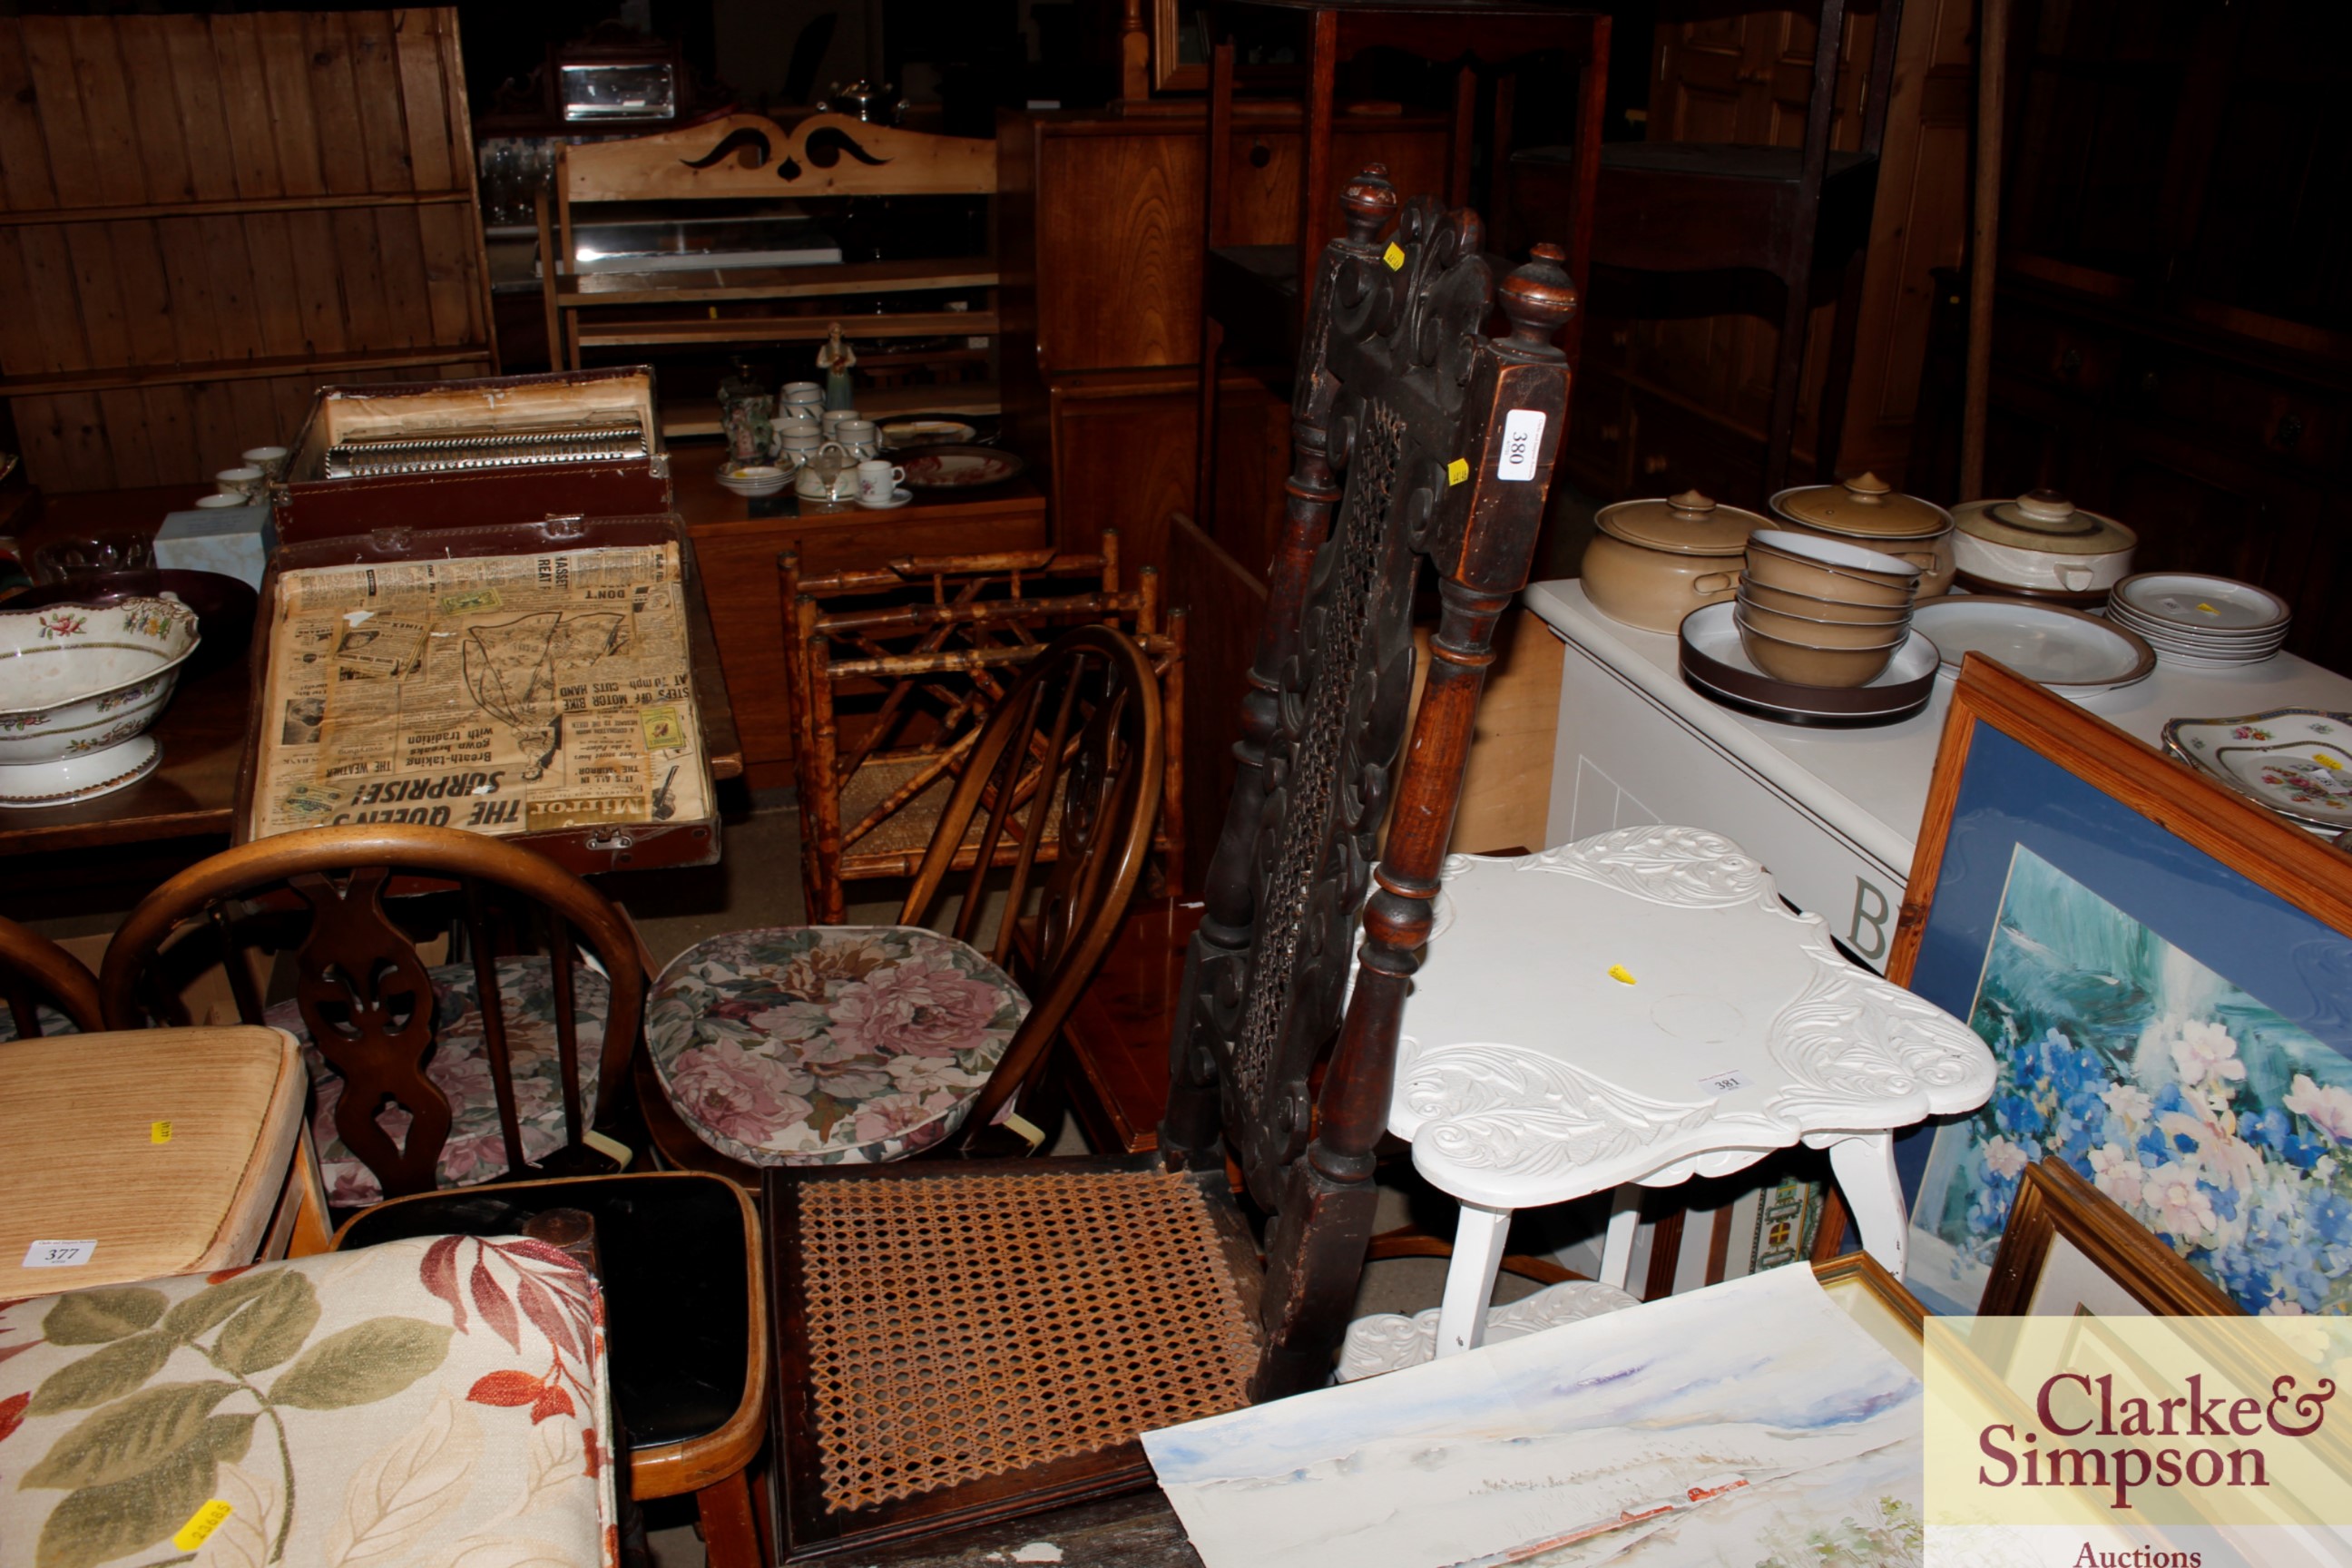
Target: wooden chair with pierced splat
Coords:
[(432, 1083), (959, 1343), (892, 672)]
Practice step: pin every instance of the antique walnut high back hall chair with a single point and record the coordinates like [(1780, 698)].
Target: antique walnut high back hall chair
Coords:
[(960, 1342)]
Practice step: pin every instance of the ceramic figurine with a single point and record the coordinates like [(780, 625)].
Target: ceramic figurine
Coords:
[(835, 359)]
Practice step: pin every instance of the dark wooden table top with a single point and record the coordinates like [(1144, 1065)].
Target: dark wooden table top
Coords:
[(193, 792)]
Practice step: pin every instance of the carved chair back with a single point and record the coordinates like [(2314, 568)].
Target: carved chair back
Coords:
[(1074, 752), (37, 974), (337, 899), (1417, 439), (892, 672)]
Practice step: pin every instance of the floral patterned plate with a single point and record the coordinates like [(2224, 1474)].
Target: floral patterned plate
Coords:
[(2296, 760)]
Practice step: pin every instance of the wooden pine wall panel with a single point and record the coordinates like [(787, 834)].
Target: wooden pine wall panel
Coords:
[(325, 163)]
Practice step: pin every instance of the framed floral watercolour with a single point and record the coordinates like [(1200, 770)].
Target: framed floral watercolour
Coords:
[(2070, 1248), (2164, 973)]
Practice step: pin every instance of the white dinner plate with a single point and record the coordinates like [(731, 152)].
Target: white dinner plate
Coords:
[(2197, 603), (2054, 645)]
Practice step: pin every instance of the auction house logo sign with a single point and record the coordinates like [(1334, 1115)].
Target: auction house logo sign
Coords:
[(2114, 1442)]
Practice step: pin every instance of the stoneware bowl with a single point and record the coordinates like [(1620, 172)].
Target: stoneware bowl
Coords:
[(1817, 609), (1802, 665), (79, 684), (1829, 569), (1822, 634)]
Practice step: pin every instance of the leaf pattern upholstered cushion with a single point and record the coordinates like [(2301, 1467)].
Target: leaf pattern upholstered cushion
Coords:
[(828, 1044), (460, 1068), (439, 1400)]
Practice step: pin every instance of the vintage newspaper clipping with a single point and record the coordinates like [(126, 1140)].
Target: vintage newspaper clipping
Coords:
[(503, 694)]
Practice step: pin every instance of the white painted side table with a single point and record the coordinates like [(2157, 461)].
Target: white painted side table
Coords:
[(1641, 1008)]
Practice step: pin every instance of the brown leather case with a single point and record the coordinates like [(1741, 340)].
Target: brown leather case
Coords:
[(310, 505), (581, 850)]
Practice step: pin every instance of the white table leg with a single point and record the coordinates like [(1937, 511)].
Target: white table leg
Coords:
[(1865, 1167), (1478, 1238), (1617, 1247)]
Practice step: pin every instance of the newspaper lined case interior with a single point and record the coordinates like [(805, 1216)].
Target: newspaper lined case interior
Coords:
[(535, 682)]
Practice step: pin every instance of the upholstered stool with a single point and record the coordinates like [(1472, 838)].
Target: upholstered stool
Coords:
[(123, 1156), (437, 1400), (828, 1044), (460, 1068)]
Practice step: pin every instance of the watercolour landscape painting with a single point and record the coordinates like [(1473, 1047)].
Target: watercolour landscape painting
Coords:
[(1750, 1425), (2221, 1126)]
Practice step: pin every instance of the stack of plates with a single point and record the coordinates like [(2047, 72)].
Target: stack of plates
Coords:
[(2205, 622)]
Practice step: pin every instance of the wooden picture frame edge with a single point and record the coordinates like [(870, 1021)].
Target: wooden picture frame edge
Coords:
[(2266, 849), (2053, 1201), (1170, 73)]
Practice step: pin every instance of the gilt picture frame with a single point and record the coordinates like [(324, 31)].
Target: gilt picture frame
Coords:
[(2069, 1249), (2163, 971)]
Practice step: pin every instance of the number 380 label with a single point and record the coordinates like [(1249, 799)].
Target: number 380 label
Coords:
[(1522, 439)]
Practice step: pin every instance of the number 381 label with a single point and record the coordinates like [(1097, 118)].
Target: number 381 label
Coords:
[(1523, 431)]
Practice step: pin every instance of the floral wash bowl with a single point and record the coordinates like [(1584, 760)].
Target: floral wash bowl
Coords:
[(79, 684)]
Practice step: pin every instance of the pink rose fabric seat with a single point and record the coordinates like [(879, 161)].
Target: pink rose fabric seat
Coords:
[(828, 1044), (460, 1068)]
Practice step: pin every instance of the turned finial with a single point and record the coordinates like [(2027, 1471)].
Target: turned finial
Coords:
[(1539, 298), (1369, 201)]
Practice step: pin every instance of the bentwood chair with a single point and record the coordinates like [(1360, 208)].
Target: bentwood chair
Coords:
[(892, 671), (499, 1069), (47, 990), (831, 1044), (962, 1342)]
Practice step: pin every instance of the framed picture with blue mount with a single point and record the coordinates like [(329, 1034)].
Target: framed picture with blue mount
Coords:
[(2164, 973)]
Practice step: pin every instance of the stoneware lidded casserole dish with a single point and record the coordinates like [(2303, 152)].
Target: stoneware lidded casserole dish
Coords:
[(2042, 546), (1867, 510), (1655, 560)]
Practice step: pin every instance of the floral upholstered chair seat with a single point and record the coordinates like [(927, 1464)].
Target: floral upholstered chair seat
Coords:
[(460, 1068), (828, 1044), (440, 1400)]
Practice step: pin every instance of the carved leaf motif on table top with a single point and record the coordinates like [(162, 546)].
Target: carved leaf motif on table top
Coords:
[(1507, 1108)]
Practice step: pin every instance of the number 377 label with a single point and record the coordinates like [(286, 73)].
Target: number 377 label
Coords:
[(1523, 431), (58, 1253)]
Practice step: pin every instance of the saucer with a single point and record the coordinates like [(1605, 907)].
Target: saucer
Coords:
[(898, 498)]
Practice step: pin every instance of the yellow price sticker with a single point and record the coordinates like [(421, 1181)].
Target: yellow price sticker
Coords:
[(1394, 257), (1457, 471), (1622, 976), (201, 1525), (159, 1132)]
